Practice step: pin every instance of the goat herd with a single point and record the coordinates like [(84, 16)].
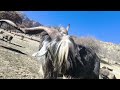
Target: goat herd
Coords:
[(60, 55)]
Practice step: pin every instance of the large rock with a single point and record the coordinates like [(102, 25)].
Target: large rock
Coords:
[(106, 73)]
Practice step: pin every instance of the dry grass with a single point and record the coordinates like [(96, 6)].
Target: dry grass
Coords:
[(88, 41), (16, 65)]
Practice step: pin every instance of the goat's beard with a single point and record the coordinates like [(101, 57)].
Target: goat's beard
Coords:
[(59, 50), (62, 58)]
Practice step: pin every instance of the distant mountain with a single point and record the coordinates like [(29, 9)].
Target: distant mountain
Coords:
[(19, 18), (26, 22)]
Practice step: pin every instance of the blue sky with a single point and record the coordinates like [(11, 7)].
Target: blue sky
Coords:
[(104, 25)]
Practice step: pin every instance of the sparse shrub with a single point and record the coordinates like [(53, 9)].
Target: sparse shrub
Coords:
[(88, 41)]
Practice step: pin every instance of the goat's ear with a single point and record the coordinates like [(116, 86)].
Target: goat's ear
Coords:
[(68, 27)]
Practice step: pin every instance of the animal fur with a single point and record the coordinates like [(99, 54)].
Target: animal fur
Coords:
[(63, 56)]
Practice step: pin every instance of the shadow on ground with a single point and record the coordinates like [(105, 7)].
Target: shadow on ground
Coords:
[(13, 44), (15, 50)]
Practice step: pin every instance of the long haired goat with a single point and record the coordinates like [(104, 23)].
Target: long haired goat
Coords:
[(63, 56), (60, 55)]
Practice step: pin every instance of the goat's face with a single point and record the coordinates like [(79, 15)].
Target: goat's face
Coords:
[(63, 31)]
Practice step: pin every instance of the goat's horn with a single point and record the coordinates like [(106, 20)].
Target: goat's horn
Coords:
[(53, 33), (11, 23)]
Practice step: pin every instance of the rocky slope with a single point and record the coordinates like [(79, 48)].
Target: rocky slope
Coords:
[(16, 61)]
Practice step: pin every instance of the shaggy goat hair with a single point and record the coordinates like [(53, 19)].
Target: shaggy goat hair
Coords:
[(63, 57)]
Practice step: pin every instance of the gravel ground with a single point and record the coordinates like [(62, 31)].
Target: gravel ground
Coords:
[(16, 61)]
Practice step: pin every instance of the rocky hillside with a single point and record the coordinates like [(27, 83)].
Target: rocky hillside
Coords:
[(26, 22), (16, 61), (19, 18)]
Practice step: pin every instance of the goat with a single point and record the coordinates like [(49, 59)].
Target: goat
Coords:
[(6, 37), (1, 32), (62, 56), (22, 37)]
